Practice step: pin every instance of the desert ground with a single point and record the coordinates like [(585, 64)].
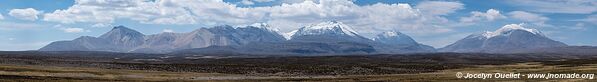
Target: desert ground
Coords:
[(438, 67)]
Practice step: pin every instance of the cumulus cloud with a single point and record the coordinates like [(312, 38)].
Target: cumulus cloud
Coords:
[(287, 16), (144, 11), (73, 30), (252, 2), (477, 16), (528, 17), (24, 14), (101, 11), (557, 6)]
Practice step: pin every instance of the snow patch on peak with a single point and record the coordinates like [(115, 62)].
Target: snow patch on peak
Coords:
[(390, 34), (120, 31), (511, 27), (289, 35), (334, 27), (395, 38), (261, 26), (517, 27)]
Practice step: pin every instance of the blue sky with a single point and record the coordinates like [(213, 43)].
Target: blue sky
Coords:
[(31, 24)]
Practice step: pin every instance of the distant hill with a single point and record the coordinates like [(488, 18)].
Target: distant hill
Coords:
[(580, 50)]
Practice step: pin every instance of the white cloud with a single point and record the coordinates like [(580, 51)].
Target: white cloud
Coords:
[(439, 7), (477, 16), (247, 2), (251, 2), (67, 29), (74, 30), (101, 11), (592, 19), (11, 38), (557, 6), (8, 25), (100, 25), (536, 19), (579, 26), (287, 16), (167, 30), (1, 17), (24, 14), (280, 2), (263, 0)]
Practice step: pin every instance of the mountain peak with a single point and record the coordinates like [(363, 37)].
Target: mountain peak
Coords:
[(509, 28), (389, 34), (122, 31), (124, 37), (259, 25), (120, 27), (289, 35), (329, 27), (334, 21), (395, 37), (264, 26)]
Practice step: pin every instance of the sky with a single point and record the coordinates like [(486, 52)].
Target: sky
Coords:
[(32, 24)]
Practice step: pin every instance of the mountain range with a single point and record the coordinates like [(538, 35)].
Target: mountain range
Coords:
[(331, 37)]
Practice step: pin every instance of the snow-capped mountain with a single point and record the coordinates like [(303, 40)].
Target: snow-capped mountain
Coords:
[(262, 26), (259, 32), (394, 38), (289, 35), (330, 31), (326, 28), (509, 37), (396, 42), (334, 32)]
